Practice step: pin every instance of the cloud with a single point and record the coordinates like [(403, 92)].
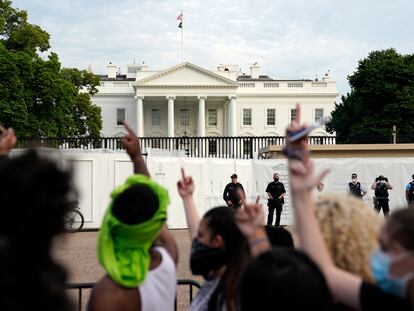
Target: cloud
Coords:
[(290, 39)]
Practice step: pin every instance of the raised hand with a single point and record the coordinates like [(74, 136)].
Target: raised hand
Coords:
[(301, 169), (131, 143), (250, 219), (185, 185), (7, 140)]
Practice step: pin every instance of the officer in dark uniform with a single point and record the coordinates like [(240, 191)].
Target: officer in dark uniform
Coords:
[(275, 192), (355, 188), (381, 185), (234, 193)]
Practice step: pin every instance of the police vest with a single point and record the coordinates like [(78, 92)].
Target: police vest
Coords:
[(411, 192), (381, 190), (355, 189)]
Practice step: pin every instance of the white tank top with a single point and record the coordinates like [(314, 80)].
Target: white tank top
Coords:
[(159, 288)]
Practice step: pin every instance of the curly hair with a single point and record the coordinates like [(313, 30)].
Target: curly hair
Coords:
[(350, 229)]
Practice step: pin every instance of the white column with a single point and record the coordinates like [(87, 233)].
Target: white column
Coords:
[(226, 118), (140, 116), (170, 116), (232, 116), (201, 128)]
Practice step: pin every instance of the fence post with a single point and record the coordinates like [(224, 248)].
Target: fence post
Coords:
[(394, 134)]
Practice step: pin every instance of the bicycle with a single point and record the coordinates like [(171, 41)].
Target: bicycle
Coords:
[(73, 218)]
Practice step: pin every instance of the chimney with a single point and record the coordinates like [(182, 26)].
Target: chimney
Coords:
[(255, 71), (111, 71)]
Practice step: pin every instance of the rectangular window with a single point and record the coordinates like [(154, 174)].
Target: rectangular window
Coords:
[(247, 117), (184, 118), (120, 116), (156, 117), (212, 117), (271, 116), (318, 114), (292, 115)]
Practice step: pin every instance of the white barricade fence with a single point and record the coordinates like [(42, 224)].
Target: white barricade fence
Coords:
[(97, 173)]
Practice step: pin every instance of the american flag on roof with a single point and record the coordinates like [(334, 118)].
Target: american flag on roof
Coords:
[(180, 17)]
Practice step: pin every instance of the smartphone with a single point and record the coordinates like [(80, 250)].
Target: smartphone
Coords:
[(304, 131)]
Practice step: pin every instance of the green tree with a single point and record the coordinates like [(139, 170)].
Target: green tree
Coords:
[(382, 95), (37, 96)]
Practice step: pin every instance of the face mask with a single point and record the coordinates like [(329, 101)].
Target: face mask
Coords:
[(353, 180), (276, 179), (205, 259), (380, 265)]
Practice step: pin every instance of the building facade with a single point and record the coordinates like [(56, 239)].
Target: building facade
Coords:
[(189, 100)]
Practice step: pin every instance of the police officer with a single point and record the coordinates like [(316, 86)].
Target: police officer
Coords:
[(381, 187), (276, 193), (409, 192), (234, 193), (355, 188)]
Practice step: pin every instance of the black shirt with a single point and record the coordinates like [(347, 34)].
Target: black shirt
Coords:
[(231, 192), (371, 297), (275, 189)]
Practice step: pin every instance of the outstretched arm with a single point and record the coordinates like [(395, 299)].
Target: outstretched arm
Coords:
[(133, 148), (249, 220), (343, 285), (185, 188), (7, 140)]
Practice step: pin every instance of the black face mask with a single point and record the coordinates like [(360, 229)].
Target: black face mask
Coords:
[(205, 259), (276, 179)]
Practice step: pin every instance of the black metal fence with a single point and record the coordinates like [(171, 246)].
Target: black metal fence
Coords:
[(79, 287), (240, 147)]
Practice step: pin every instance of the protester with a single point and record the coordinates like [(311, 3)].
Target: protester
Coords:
[(350, 230), (392, 264), (135, 247), (234, 193), (279, 278), (275, 192), (219, 252), (279, 237), (355, 188), (381, 185), (33, 193)]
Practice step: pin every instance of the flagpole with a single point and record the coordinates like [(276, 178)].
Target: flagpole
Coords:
[(182, 44), (180, 25)]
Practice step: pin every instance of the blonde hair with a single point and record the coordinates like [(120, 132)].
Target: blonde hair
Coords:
[(350, 229)]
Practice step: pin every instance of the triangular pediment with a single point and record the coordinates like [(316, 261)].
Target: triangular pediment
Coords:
[(186, 75)]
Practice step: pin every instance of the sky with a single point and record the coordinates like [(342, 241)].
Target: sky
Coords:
[(290, 39)]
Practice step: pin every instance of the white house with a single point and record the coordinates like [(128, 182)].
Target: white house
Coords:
[(189, 100)]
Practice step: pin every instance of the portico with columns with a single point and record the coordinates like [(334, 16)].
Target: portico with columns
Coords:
[(178, 102)]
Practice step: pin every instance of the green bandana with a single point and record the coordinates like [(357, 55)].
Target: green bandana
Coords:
[(123, 250)]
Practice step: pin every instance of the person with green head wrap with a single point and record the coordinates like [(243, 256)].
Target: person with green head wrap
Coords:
[(135, 247)]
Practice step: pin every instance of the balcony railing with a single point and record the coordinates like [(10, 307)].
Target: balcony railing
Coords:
[(240, 147)]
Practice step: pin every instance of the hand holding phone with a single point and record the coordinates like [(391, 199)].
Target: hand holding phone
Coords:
[(304, 131)]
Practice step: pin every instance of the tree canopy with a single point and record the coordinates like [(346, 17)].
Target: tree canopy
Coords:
[(37, 96), (382, 95)]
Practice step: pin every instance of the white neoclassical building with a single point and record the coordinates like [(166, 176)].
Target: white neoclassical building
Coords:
[(189, 100)]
